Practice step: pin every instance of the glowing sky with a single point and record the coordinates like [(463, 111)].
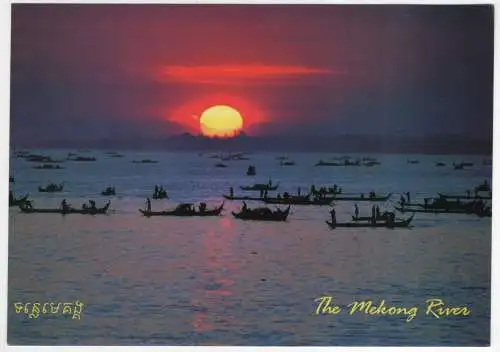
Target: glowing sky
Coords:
[(146, 71)]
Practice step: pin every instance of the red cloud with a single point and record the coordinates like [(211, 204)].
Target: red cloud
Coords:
[(238, 74)]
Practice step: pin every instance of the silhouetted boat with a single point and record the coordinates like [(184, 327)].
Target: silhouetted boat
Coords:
[(298, 201), (260, 186), (48, 167), (83, 158), (220, 165), (404, 223), (262, 214), (361, 199), (440, 164), (287, 163), (327, 163), (251, 171), (145, 161), (486, 213), (86, 211), (184, 209), (109, 191), (14, 202), (242, 198), (463, 196)]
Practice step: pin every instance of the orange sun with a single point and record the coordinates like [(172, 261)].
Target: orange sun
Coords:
[(220, 121)]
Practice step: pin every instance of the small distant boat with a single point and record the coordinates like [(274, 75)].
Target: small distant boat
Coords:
[(51, 188), (261, 187), (48, 167), (440, 164), (385, 224), (413, 161), (87, 211), (463, 196), (287, 163), (371, 163), (83, 158), (184, 209), (251, 171), (220, 165), (145, 161), (109, 191), (262, 214), (484, 187)]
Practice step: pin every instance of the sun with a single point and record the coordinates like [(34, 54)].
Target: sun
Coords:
[(220, 121)]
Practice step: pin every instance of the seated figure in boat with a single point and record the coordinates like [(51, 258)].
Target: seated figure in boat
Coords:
[(203, 207)]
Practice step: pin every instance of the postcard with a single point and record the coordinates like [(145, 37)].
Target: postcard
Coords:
[(250, 175)]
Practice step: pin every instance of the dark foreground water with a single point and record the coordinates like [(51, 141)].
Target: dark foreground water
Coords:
[(221, 281)]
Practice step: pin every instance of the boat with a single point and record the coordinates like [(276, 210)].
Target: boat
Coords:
[(327, 163), (109, 191), (287, 163), (371, 163), (440, 164), (463, 196), (86, 211), (145, 161), (51, 188), (261, 186), (251, 170), (385, 224), (13, 202), (262, 214), (48, 167), (298, 201), (361, 199), (242, 198), (184, 209), (413, 161), (381, 217), (484, 187), (220, 165), (83, 158), (444, 211), (161, 194)]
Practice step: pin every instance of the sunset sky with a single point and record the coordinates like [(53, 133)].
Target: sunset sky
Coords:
[(127, 71)]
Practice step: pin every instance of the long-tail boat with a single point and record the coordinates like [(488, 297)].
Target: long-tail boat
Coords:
[(298, 201), (241, 197), (184, 209), (386, 224), (262, 214), (485, 213), (261, 187), (51, 188), (462, 196), (88, 211), (109, 191), (361, 199)]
